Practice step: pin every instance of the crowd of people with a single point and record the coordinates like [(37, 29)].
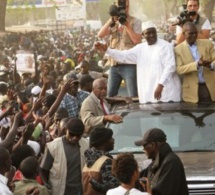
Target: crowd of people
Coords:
[(53, 138)]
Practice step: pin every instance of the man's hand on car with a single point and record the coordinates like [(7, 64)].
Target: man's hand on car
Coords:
[(113, 118)]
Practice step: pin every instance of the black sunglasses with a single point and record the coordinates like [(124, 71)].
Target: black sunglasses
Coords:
[(74, 134)]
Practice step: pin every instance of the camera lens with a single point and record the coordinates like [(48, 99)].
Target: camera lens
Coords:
[(122, 19)]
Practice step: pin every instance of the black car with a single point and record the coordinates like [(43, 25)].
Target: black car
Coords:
[(190, 130)]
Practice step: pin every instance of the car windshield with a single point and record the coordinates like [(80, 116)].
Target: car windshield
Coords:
[(185, 130)]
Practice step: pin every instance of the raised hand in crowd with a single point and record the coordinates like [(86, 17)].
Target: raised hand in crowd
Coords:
[(68, 85), (11, 95), (27, 132), (101, 47), (35, 107), (9, 110), (38, 104), (46, 84), (64, 89), (9, 140)]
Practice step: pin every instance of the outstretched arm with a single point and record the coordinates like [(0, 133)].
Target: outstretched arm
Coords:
[(9, 140)]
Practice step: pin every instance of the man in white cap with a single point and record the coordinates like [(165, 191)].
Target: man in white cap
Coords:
[(35, 91), (157, 79)]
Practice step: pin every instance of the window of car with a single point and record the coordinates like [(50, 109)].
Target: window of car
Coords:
[(186, 130)]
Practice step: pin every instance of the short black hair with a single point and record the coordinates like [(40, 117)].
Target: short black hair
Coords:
[(20, 154), (49, 100), (3, 88), (29, 167), (124, 167), (85, 79), (99, 136)]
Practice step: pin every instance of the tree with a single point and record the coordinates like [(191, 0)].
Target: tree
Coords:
[(3, 5), (207, 8)]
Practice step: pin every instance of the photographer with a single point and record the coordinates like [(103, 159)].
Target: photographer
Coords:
[(202, 24), (125, 33)]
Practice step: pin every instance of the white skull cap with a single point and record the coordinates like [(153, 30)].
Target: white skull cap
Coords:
[(148, 24)]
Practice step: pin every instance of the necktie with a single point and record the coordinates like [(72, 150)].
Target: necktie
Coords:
[(103, 108)]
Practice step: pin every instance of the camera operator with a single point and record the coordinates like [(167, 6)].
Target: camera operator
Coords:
[(125, 32), (202, 24)]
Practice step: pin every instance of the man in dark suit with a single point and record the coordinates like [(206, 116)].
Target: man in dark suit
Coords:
[(195, 61)]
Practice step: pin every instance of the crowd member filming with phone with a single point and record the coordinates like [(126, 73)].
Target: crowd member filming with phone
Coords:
[(125, 169), (202, 24), (125, 33)]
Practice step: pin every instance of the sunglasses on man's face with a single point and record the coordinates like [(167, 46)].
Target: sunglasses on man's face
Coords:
[(145, 145), (75, 135)]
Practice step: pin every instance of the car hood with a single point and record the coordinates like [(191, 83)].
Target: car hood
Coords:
[(198, 165)]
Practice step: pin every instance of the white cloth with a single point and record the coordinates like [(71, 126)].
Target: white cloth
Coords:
[(36, 90), (121, 191), (148, 24), (33, 144), (3, 98), (155, 65), (205, 26), (5, 122), (4, 190), (93, 74)]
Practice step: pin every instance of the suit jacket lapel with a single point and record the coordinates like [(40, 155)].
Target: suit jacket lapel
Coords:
[(97, 102), (186, 52), (201, 49)]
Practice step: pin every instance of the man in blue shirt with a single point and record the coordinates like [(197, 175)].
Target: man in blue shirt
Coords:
[(73, 99), (195, 59)]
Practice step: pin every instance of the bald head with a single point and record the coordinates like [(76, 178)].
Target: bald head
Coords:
[(100, 88), (188, 25), (190, 32), (98, 82)]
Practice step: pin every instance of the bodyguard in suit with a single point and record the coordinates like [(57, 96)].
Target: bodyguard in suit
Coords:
[(195, 61), (95, 110)]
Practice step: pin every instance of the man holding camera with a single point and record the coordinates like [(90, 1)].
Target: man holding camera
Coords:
[(125, 33), (202, 24)]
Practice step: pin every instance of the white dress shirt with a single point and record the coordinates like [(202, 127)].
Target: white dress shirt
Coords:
[(4, 190)]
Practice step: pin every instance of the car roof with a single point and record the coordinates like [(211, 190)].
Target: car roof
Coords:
[(170, 106)]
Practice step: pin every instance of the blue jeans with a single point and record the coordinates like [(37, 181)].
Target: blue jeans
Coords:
[(119, 72)]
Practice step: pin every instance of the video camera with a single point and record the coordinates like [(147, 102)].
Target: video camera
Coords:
[(184, 16), (118, 11)]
